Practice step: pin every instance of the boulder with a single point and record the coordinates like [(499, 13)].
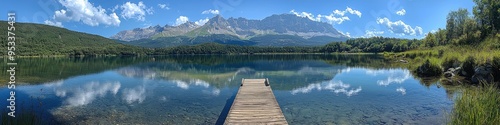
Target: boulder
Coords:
[(403, 61), (448, 74), (451, 72), (483, 73)]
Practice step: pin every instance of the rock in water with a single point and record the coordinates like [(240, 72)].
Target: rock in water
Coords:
[(483, 73)]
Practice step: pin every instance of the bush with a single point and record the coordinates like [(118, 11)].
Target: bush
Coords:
[(468, 67), (429, 69), (440, 53)]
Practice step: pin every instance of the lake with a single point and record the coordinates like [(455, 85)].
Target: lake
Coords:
[(310, 89)]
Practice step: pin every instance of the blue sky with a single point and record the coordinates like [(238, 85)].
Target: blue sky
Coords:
[(356, 18)]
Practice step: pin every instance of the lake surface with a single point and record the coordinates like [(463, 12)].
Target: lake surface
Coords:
[(311, 89)]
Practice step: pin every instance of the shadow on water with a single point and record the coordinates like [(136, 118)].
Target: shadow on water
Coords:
[(225, 111)]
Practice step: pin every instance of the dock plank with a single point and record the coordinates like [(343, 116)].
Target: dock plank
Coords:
[(255, 104)]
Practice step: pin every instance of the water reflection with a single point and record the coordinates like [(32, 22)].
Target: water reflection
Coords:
[(393, 75), (136, 94), (86, 93), (332, 85), (402, 90), (195, 89)]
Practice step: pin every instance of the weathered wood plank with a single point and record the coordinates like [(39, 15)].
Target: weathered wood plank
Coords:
[(255, 104)]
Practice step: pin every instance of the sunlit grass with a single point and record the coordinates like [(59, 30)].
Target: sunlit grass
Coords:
[(477, 106), (482, 53)]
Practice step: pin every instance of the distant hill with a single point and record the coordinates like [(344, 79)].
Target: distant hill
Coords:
[(39, 39), (275, 30)]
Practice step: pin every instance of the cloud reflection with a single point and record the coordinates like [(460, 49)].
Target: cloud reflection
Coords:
[(402, 90), (134, 95), (88, 92), (334, 86), (137, 72), (393, 76), (185, 85)]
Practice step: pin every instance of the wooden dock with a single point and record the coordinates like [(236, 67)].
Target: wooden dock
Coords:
[(255, 104)]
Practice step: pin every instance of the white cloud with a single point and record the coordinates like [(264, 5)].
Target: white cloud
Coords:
[(372, 33), (201, 22), (332, 19), (401, 12), (181, 20), (53, 23), (137, 11), (399, 27), (347, 10), (86, 12), (164, 6), (336, 17), (210, 11), (348, 35), (308, 15)]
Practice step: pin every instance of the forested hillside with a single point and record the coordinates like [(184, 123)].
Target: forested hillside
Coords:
[(37, 39)]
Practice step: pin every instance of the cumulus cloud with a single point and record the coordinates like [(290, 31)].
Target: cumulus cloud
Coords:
[(53, 23), (164, 6), (201, 22), (338, 20), (181, 20), (210, 11), (137, 11), (399, 27), (372, 33), (401, 12), (336, 17), (86, 12), (306, 14), (345, 34), (347, 10)]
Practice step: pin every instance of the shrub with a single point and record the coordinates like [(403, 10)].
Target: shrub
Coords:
[(429, 69), (440, 53), (468, 66)]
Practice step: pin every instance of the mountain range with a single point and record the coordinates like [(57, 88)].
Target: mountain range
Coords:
[(275, 30)]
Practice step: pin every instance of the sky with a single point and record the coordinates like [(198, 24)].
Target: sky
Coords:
[(355, 18)]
